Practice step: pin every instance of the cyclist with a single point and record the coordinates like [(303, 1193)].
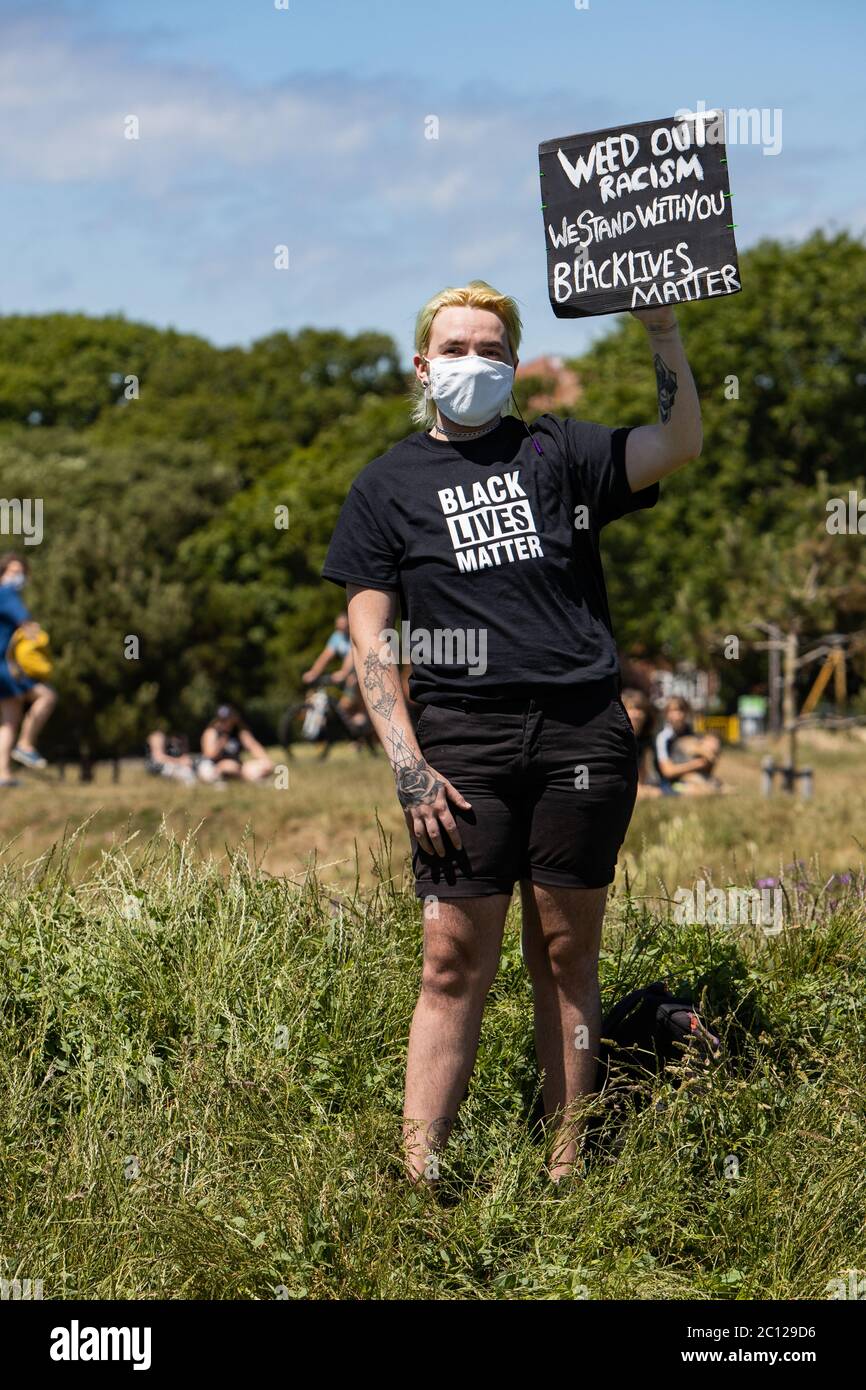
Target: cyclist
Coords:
[(350, 704)]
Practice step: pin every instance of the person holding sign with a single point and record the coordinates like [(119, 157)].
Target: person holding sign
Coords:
[(523, 766)]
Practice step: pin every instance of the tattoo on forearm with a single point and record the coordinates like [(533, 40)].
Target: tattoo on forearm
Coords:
[(666, 384), (377, 678), (416, 784)]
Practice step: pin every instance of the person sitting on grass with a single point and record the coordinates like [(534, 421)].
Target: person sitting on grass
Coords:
[(168, 756), (640, 713), (223, 744), (685, 761), (25, 703)]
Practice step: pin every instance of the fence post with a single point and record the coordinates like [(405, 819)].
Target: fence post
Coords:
[(767, 772)]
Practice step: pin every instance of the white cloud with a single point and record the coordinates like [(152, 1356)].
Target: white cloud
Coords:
[(180, 225), (63, 103)]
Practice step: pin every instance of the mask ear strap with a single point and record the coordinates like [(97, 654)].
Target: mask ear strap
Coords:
[(535, 444)]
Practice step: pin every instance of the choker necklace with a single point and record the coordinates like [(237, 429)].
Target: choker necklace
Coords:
[(466, 434)]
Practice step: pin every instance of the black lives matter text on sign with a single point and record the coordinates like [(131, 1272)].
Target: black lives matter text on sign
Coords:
[(637, 216)]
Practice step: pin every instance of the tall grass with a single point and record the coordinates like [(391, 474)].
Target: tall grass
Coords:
[(201, 1081)]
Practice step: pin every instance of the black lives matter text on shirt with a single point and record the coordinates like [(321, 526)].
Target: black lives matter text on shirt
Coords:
[(496, 545), (638, 216)]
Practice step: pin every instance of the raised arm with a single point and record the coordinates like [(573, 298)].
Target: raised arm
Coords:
[(212, 743), (423, 793), (654, 451)]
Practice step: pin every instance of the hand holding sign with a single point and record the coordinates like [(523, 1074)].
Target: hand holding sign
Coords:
[(638, 217), (655, 320)]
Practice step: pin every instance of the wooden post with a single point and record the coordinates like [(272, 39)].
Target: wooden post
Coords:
[(85, 766), (841, 680), (789, 701), (767, 771), (773, 680)]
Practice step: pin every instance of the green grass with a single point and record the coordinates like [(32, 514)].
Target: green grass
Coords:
[(201, 1080), (327, 816)]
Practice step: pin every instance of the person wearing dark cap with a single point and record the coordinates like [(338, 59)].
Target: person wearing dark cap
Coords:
[(224, 743)]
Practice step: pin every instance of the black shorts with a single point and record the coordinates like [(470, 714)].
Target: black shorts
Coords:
[(552, 783)]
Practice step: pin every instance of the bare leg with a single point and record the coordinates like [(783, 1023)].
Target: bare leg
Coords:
[(561, 938), (42, 702), (462, 943), (256, 769), (10, 718)]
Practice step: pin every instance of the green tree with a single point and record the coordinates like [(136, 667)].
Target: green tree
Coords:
[(780, 370)]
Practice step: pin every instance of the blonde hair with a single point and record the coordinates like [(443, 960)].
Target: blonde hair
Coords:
[(476, 295)]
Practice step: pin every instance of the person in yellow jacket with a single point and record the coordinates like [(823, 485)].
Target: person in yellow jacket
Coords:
[(26, 701)]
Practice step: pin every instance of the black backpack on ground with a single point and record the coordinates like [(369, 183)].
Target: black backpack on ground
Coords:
[(648, 1029)]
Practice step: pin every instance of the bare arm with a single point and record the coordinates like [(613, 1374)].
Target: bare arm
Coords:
[(346, 669), (212, 744), (251, 744), (318, 665), (673, 771), (423, 793), (654, 451)]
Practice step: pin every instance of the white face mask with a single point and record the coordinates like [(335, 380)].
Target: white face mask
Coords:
[(469, 390)]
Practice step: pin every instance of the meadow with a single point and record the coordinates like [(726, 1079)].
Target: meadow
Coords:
[(206, 997)]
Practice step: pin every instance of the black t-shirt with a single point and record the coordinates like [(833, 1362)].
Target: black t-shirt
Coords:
[(494, 552)]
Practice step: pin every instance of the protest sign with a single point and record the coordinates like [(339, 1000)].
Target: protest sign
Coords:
[(637, 216)]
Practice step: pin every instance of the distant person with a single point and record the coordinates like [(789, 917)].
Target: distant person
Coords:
[(685, 761), (224, 743), (339, 645), (639, 709), (26, 702), (168, 755)]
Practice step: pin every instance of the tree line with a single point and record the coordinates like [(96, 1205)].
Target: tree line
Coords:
[(189, 491)]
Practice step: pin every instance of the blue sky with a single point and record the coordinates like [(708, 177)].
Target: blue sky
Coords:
[(305, 127)]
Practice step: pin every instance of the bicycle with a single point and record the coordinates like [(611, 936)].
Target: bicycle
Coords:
[(319, 720)]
